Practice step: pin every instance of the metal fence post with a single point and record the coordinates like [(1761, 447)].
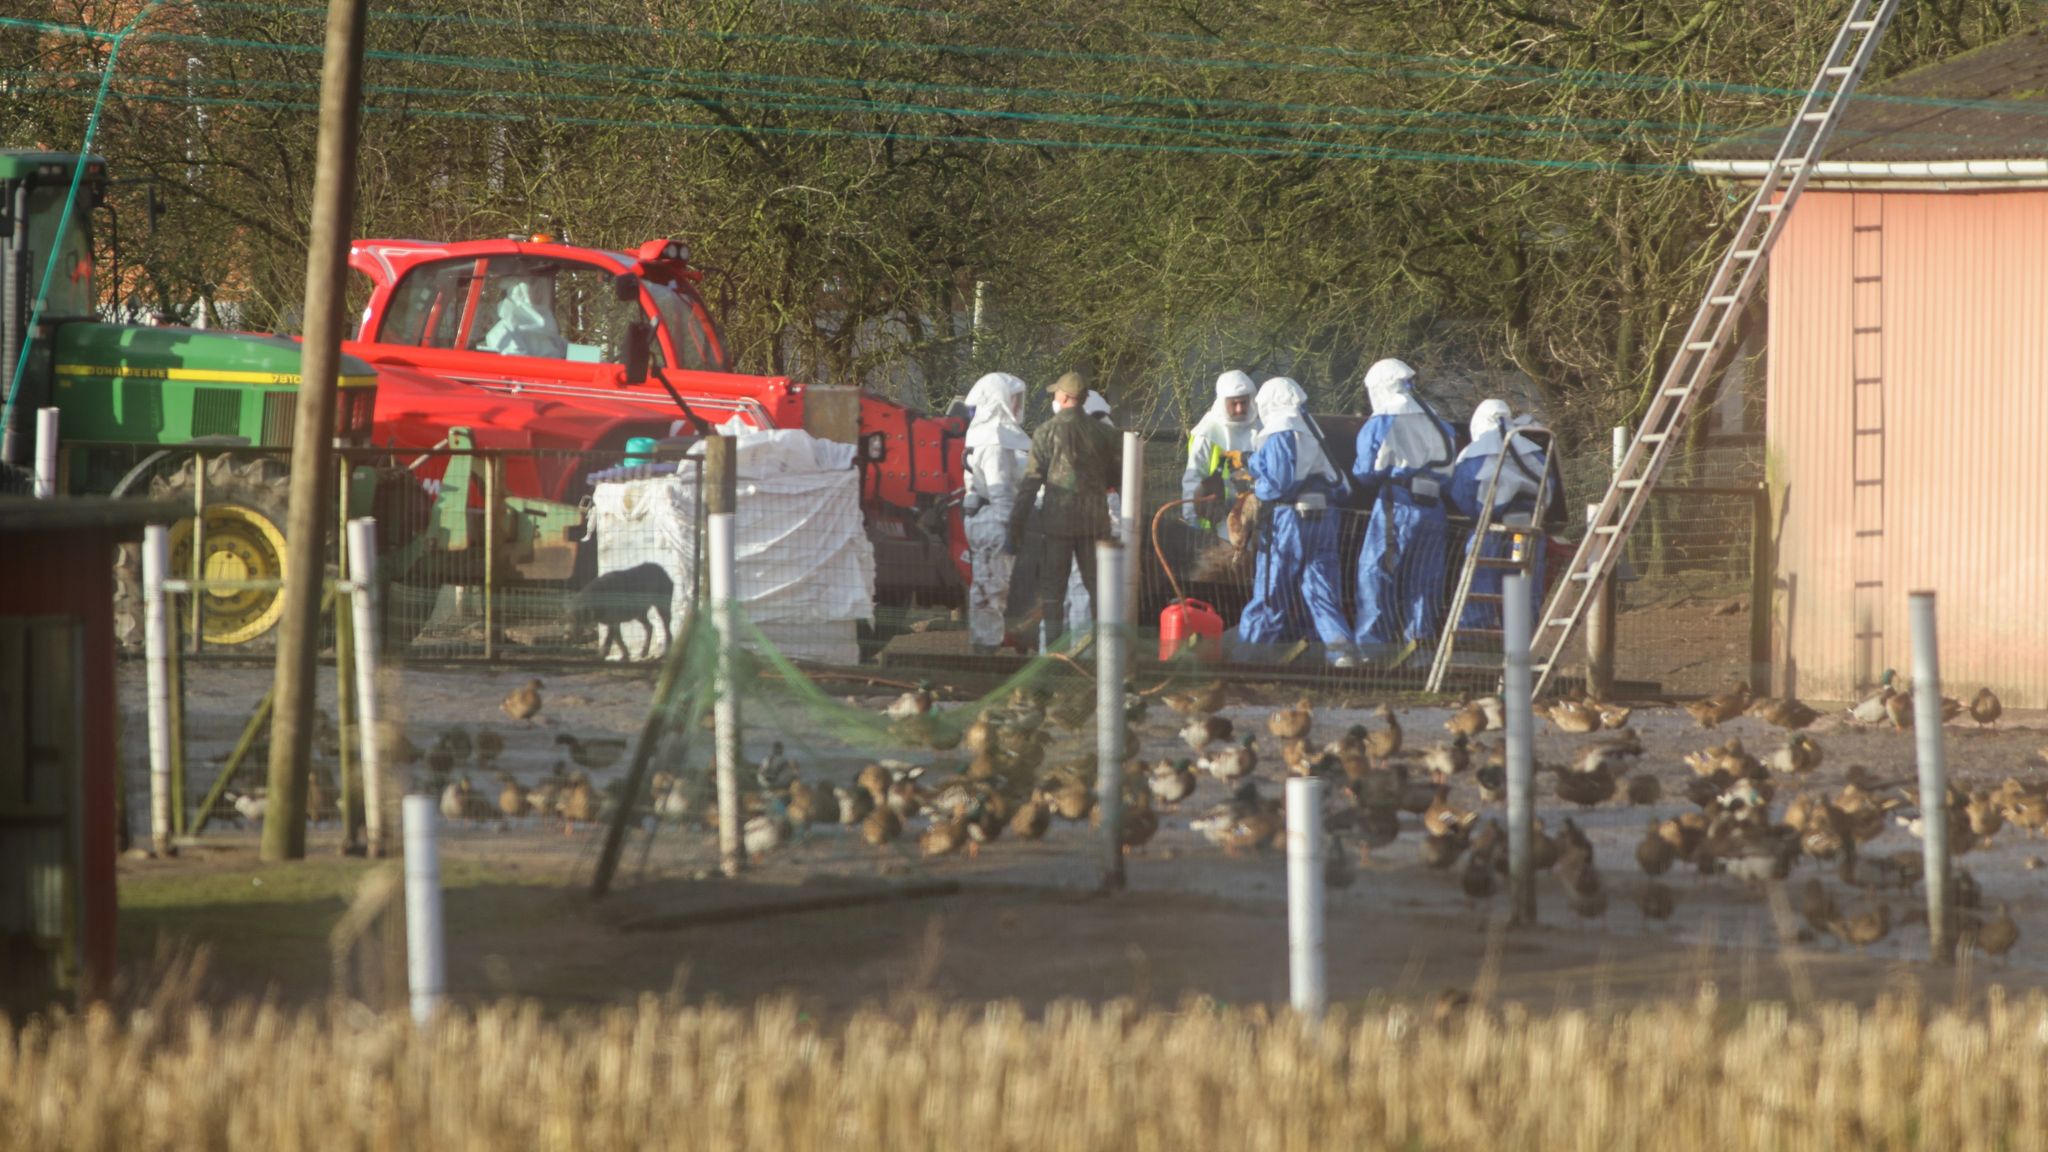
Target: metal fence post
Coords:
[(426, 958), (1927, 738), (1305, 896), (156, 557), (1131, 498), (722, 496), (490, 555), (1111, 640), (46, 453), (1521, 749), (362, 560)]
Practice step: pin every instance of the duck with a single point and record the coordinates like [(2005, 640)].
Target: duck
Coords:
[(854, 803), (1984, 814), (1654, 853), (457, 742), (1899, 707), (1245, 821), (986, 819), (1172, 781), (1617, 754), (1985, 709), (1716, 710), (1824, 834), (578, 803), (1871, 709), (1996, 936), (1136, 825), (1800, 754), (543, 798), (596, 753), (1197, 702), (881, 826), (1072, 799), (489, 746), (905, 797), (1613, 717), (775, 771), (1783, 712), (944, 837), (1684, 834), (511, 797), (1586, 789), (1574, 716), (916, 702), (980, 735), (1291, 723), (455, 799), (764, 833), (1865, 928), (1205, 731), (250, 809), (1643, 789), (1657, 901), (1447, 760), (802, 803), (1443, 818), (1469, 720), (1234, 762), (1382, 743), (1442, 851), (1032, 818), (1477, 878), (1294, 756), (524, 702), (2027, 811)]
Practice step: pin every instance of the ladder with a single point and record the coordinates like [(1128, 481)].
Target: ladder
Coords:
[(1708, 336), (1486, 527)]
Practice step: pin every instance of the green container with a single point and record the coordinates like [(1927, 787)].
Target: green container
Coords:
[(639, 450)]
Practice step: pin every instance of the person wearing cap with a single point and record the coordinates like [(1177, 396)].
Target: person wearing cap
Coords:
[(995, 449), (1404, 466), (1074, 462), (1298, 585), (1223, 435)]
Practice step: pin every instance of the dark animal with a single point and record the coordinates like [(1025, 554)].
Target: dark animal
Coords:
[(617, 597)]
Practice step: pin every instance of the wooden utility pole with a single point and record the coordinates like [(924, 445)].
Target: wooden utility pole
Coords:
[(298, 632)]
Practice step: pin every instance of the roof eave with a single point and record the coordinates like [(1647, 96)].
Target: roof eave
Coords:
[(1929, 174)]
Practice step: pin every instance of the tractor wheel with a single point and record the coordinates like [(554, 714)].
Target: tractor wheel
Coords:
[(243, 540)]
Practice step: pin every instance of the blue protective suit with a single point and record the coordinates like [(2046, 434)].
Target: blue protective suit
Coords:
[(1468, 488), (1401, 584), (1296, 591)]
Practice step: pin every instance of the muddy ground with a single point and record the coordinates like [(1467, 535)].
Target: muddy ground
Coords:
[(1024, 921)]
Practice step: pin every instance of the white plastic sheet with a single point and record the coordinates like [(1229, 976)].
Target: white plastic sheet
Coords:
[(805, 567)]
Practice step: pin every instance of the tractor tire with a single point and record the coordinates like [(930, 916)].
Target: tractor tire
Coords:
[(244, 540)]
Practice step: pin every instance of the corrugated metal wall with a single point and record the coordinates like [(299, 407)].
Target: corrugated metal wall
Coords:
[(1908, 435)]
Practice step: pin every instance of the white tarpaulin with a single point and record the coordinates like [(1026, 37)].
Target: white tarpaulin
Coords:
[(805, 571)]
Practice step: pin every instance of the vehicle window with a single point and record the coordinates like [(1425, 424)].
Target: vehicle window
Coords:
[(696, 345), (426, 308), (555, 309)]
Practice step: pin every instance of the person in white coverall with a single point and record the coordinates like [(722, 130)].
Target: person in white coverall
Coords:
[(996, 449), (1080, 610), (1230, 425)]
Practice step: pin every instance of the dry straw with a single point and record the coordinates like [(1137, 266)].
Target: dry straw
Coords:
[(1681, 1074)]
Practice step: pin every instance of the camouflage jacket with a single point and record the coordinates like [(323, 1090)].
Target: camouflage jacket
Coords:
[(1075, 459)]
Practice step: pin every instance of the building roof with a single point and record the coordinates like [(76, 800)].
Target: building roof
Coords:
[(124, 518), (1971, 116)]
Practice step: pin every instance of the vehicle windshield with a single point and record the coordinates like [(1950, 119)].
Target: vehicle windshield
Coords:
[(695, 343)]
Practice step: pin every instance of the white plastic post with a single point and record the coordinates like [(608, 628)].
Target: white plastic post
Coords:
[(720, 478), (1131, 500), (156, 640), (1933, 775), (1521, 747), (1306, 987), (426, 957), (1111, 637), (46, 453), (1620, 446), (362, 559)]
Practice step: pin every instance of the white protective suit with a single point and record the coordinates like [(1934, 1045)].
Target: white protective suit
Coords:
[(1213, 435), (1520, 474), (524, 328), (1080, 612), (997, 448)]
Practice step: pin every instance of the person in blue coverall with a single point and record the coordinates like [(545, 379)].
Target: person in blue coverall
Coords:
[(1297, 583), (1524, 470), (1403, 467)]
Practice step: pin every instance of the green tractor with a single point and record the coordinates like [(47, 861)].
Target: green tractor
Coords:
[(135, 402)]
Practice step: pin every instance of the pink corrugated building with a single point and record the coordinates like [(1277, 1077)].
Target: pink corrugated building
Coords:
[(1907, 403)]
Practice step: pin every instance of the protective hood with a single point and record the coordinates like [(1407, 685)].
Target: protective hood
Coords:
[(1390, 385), (1521, 469), (1281, 403), (1232, 385), (1096, 406), (994, 398)]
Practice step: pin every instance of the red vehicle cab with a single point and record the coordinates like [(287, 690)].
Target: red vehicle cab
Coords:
[(547, 321)]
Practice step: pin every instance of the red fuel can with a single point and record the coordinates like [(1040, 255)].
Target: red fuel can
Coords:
[(1190, 620)]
